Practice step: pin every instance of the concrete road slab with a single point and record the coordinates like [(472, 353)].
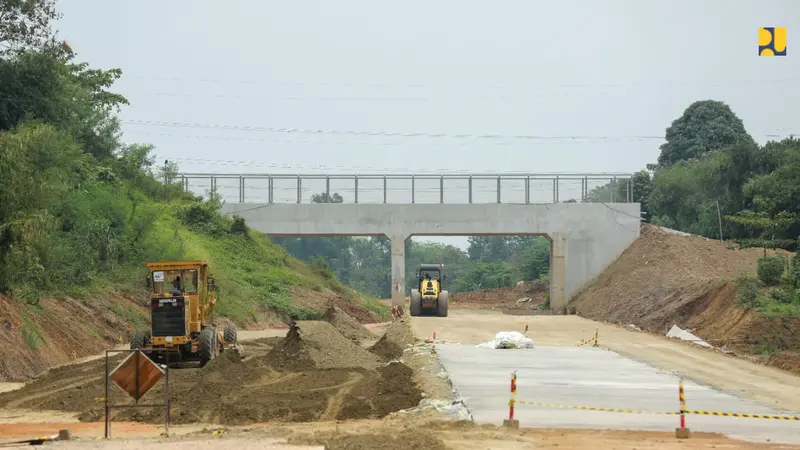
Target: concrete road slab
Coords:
[(596, 377)]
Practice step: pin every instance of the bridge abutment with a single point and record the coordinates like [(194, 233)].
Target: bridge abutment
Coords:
[(398, 269)]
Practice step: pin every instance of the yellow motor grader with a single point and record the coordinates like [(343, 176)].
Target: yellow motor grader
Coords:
[(429, 296), (182, 325)]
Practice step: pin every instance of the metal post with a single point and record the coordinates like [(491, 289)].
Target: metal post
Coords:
[(470, 188), (557, 185), (166, 399), (630, 190), (384, 189), (107, 427), (355, 179), (554, 190), (413, 196), (583, 189), (299, 189), (328, 187), (498, 189), (613, 187), (528, 190), (213, 184), (269, 189), (136, 360), (241, 189), (441, 189)]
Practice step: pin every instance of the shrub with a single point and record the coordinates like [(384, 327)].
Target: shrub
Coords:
[(782, 295), (747, 292), (239, 226), (770, 269), (794, 274)]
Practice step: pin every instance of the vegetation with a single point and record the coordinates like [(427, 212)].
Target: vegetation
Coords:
[(714, 180), (81, 210)]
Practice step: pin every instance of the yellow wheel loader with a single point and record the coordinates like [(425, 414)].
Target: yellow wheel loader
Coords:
[(429, 296), (182, 325)]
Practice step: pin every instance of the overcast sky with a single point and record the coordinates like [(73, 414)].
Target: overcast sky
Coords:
[(605, 78)]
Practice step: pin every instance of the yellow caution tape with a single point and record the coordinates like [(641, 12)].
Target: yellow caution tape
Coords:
[(593, 408), (633, 411), (746, 416)]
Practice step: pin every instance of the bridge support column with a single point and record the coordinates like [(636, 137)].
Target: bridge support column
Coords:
[(398, 269), (558, 271)]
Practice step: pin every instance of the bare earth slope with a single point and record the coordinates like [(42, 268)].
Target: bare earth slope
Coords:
[(664, 279)]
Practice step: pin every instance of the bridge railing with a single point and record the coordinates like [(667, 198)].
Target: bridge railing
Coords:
[(414, 188)]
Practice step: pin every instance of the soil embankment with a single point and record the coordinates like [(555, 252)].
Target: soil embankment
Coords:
[(524, 296), (313, 373), (36, 338), (664, 278)]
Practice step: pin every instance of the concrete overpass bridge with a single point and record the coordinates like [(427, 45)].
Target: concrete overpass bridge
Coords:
[(585, 236)]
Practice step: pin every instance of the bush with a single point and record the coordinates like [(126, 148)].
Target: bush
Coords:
[(794, 274), (239, 226), (782, 295), (770, 269), (747, 292)]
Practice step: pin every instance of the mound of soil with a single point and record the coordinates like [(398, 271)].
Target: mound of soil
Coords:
[(789, 361), (347, 325), (527, 295), (230, 391), (321, 301), (390, 346), (406, 439), (392, 391), (312, 344), (665, 278)]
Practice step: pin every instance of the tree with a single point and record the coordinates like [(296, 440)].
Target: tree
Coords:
[(705, 126), (25, 24), (770, 227), (327, 198)]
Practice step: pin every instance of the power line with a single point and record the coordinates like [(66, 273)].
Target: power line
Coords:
[(349, 168), (374, 133), (366, 143), (468, 85)]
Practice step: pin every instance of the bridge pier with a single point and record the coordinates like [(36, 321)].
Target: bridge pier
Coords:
[(398, 269)]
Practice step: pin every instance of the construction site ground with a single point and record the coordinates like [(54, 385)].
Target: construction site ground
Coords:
[(351, 408)]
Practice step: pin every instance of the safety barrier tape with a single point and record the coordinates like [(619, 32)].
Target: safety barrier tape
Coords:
[(633, 411), (594, 408), (746, 416), (592, 340)]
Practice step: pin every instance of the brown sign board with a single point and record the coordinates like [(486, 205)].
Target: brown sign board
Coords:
[(136, 375)]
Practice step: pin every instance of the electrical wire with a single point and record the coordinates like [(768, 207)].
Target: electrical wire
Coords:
[(373, 133)]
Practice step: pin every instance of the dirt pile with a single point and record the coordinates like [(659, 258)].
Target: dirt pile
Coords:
[(312, 344), (321, 301), (406, 439), (230, 391), (347, 325), (397, 337), (664, 278), (527, 295)]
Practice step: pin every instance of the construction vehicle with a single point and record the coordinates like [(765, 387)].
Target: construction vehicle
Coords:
[(182, 325), (429, 296)]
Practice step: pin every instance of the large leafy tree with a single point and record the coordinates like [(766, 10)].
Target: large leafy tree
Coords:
[(705, 126), (25, 25)]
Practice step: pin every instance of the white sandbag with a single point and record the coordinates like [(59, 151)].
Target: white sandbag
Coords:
[(508, 339)]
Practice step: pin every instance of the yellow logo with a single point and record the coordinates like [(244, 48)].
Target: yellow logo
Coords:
[(772, 41)]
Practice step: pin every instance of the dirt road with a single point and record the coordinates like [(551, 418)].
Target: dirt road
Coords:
[(764, 384)]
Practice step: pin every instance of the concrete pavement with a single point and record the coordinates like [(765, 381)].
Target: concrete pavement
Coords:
[(596, 377)]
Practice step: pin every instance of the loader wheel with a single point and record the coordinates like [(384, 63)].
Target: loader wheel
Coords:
[(415, 308), (442, 306), (229, 335), (139, 339), (207, 345)]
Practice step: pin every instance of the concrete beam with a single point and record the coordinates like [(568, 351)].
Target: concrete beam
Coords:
[(586, 237)]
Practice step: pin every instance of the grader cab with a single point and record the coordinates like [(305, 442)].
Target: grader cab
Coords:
[(182, 323), (429, 296)]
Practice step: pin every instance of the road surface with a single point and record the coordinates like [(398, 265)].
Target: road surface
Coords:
[(559, 372)]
